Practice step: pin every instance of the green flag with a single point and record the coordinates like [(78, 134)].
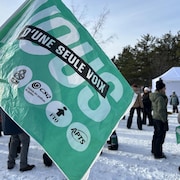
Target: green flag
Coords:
[(59, 86)]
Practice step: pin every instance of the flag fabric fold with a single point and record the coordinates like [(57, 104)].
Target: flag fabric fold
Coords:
[(59, 86)]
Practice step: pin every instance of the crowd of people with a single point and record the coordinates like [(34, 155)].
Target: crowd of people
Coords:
[(153, 106), (143, 107), (151, 109)]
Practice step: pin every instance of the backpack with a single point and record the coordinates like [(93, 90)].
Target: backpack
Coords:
[(113, 142)]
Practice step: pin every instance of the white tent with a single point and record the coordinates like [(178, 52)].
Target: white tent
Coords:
[(172, 80)]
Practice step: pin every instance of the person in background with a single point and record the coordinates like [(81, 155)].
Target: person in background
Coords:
[(159, 106), (147, 107), (174, 101), (17, 134), (138, 106)]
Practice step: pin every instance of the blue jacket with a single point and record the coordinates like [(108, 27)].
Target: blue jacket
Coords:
[(9, 127), (174, 100)]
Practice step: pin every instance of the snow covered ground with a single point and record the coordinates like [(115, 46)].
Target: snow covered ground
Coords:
[(133, 160)]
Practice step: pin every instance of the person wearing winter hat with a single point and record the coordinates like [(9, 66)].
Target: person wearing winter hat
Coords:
[(159, 106), (160, 85), (147, 107)]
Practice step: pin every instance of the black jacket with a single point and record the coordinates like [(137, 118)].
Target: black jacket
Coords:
[(9, 127)]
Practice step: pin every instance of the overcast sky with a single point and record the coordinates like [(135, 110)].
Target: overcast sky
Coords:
[(127, 20)]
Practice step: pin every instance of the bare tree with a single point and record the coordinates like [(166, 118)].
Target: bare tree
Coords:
[(99, 23), (95, 27)]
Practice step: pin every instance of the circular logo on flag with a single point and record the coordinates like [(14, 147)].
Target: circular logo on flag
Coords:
[(58, 114), (38, 93), (20, 76), (78, 136)]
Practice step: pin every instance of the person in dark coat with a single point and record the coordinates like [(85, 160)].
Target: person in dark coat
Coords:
[(159, 105), (147, 107), (17, 134)]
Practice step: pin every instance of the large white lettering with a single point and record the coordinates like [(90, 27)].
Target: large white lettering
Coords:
[(118, 90), (69, 38), (103, 109), (98, 114), (58, 67)]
